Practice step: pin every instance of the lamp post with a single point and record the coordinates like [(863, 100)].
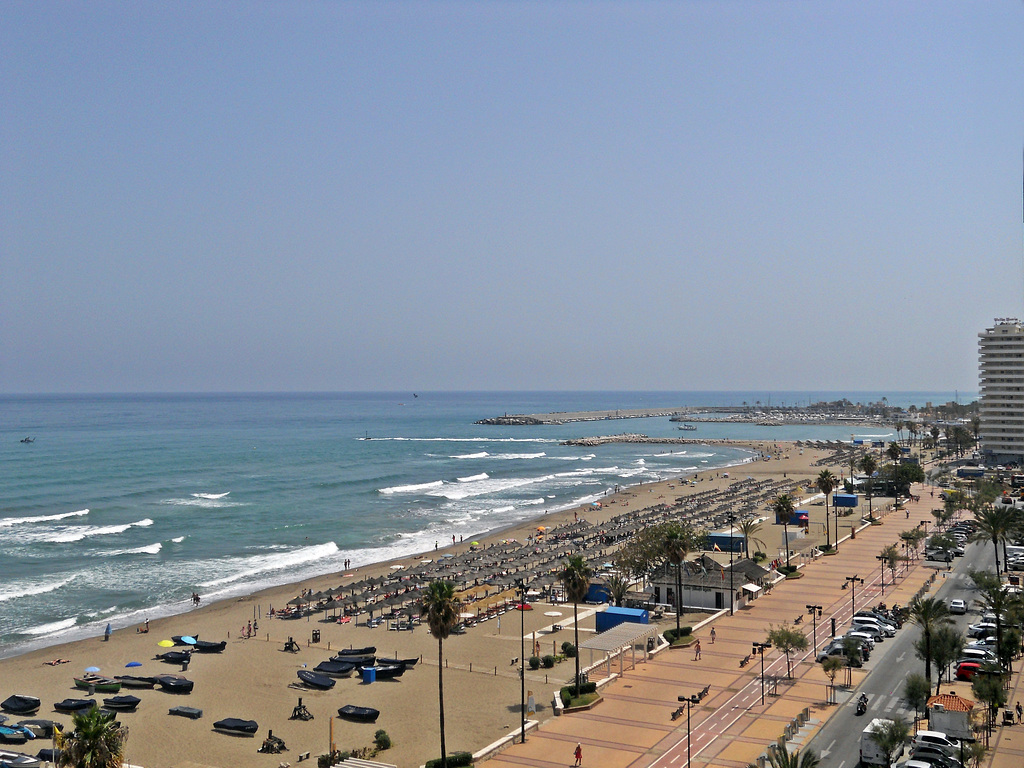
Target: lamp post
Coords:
[(852, 581), (815, 611), (690, 701), (759, 649), (732, 547), (881, 559), (521, 586)]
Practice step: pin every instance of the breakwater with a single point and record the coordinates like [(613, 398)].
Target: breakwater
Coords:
[(565, 417)]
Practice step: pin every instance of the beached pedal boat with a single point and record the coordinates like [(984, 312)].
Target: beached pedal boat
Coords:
[(403, 662), (180, 639), (43, 729), (49, 755), (367, 651), (18, 760), (20, 704), (133, 681), (190, 712), (122, 703), (206, 646), (359, 714), (15, 735), (334, 668), (175, 683), (363, 660), (175, 657), (314, 680), (237, 726), (74, 705), (98, 683)]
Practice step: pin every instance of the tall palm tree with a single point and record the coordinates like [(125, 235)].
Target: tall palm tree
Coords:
[(868, 465), (783, 507), (995, 522), (98, 741), (780, 758), (750, 528), (929, 614), (676, 546), (442, 609), (575, 577), (894, 453), (826, 483)]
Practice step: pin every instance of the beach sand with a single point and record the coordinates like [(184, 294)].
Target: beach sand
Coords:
[(256, 679)]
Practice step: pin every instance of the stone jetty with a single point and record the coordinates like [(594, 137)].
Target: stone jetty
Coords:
[(532, 419)]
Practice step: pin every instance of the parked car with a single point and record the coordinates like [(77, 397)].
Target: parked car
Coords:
[(979, 655), (866, 621), (981, 629), (834, 649), (957, 606), (938, 554), (866, 640), (936, 739)]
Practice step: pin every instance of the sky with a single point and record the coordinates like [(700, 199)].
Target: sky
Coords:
[(414, 196)]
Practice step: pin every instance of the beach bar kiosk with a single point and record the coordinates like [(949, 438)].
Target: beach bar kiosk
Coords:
[(848, 500), (612, 617), (725, 542)]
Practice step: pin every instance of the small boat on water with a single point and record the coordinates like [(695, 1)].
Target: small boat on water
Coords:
[(385, 672), (135, 681), (98, 683), (687, 427), (175, 657), (122, 703), (74, 705), (367, 651), (359, 714), (18, 760), (174, 683), (315, 680), (207, 646), (28, 439), (237, 726), (20, 704), (334, 668)]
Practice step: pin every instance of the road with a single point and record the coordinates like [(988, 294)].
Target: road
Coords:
[(838, 742)]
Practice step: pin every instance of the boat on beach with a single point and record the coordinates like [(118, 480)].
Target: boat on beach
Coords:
[(70, 706), (14, 734), (315, 680), (359, 661), (20, 704), (136, 681), (18, 760), (175, 657), (359, 714), (367, 651), (43, 729), (334, 668), (207, 646), (237, 726), (174, 683), (98, 683), (385, 672), (122, 703), (403, 662)]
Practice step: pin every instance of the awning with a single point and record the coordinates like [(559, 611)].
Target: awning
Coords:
[(751, 588)]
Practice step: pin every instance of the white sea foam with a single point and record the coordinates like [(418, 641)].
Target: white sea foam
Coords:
[(249, 567), (52, 628), (499, 510), (151, 549), (458, 491), (7, 522), (211, 496), (205, 501), (481, 455), (533, 502), (79, 532), (587, 457), (473, 478), (26, 588), (178, 539), (515, 456), (411, 488)]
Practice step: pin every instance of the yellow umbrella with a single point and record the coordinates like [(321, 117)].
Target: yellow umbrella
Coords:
[(166, 643)]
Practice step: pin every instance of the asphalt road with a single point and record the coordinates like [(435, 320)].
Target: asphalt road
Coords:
[(838, 742)]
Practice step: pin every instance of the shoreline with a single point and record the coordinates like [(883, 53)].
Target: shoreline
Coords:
[(255, 679)]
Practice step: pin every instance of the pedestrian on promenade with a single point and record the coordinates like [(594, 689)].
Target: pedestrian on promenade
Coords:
[(579, 754), (696, 651), (712, 635), (1020, 711)]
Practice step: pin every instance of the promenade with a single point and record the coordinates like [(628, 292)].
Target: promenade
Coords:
[(632, 727)]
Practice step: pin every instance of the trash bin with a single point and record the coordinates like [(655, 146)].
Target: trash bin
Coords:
[(316, 636), (369, 674)]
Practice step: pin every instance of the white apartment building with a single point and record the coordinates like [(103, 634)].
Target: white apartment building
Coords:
[(1001, 364)]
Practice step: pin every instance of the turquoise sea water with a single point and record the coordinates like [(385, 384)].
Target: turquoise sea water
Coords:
[(124, 505)]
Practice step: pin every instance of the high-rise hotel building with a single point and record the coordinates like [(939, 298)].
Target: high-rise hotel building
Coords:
[(1001, 363)]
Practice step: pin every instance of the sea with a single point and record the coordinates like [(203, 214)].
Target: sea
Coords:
[(122, 506)]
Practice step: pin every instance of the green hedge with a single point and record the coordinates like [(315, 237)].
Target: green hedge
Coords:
[(569, 650), (671, 637), (548, 661), (566, 693), (535, 662), (455, 760)]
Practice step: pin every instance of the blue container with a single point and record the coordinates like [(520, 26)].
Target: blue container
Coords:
[(612, 617), (369, 674), (844, 500)]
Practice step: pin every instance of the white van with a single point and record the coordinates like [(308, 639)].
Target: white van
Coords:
[(870, 752)]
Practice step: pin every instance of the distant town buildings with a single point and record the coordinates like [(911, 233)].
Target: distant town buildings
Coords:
[(1001, 367)]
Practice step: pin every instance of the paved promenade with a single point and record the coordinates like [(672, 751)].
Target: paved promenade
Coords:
[(633, 728)]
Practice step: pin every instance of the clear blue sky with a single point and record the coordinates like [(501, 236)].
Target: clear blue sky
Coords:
[(507, 195)]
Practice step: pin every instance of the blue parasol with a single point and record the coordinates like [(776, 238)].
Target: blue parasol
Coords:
[(188, 639), (92, 669), (134, 664)]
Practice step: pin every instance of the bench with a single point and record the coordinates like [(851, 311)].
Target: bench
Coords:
[(744, 661)]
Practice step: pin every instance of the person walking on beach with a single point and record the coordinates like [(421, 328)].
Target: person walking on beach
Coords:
[(712, 635), (578, 754), (696, 651), (1020, 711)]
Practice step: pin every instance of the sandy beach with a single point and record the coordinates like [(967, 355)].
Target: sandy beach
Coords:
[(256, 679)]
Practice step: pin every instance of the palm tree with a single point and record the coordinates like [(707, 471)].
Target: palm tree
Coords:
[(575, 577), (781, 758), (750, 528), (894, 453), (617, 587), (98, 741), (826, 483), (868, 465), (994, 524), (676, 546), (783, 507), (442, 609), (929, 614)]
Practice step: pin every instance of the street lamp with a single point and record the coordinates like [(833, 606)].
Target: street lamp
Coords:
[(881, 559), (521, 586), (853, 581), (732, 547), (690, 701), (759, 649), (815, 611)]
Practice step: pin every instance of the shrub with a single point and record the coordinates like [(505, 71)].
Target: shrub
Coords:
[(548, 661), (569, 650), (759, 557), (455, 760), (566, 693), (382, 740), (671, 637), (534, 662)]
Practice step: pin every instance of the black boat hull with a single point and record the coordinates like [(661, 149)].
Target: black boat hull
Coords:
[(20, 704), (315, 680), (122, 703), (74, 705), (359, 714), (236, 726)]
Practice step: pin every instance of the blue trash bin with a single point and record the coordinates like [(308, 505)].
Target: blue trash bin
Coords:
[(369, 674)]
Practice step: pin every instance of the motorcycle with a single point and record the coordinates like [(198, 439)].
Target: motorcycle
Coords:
[(862, 705)]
